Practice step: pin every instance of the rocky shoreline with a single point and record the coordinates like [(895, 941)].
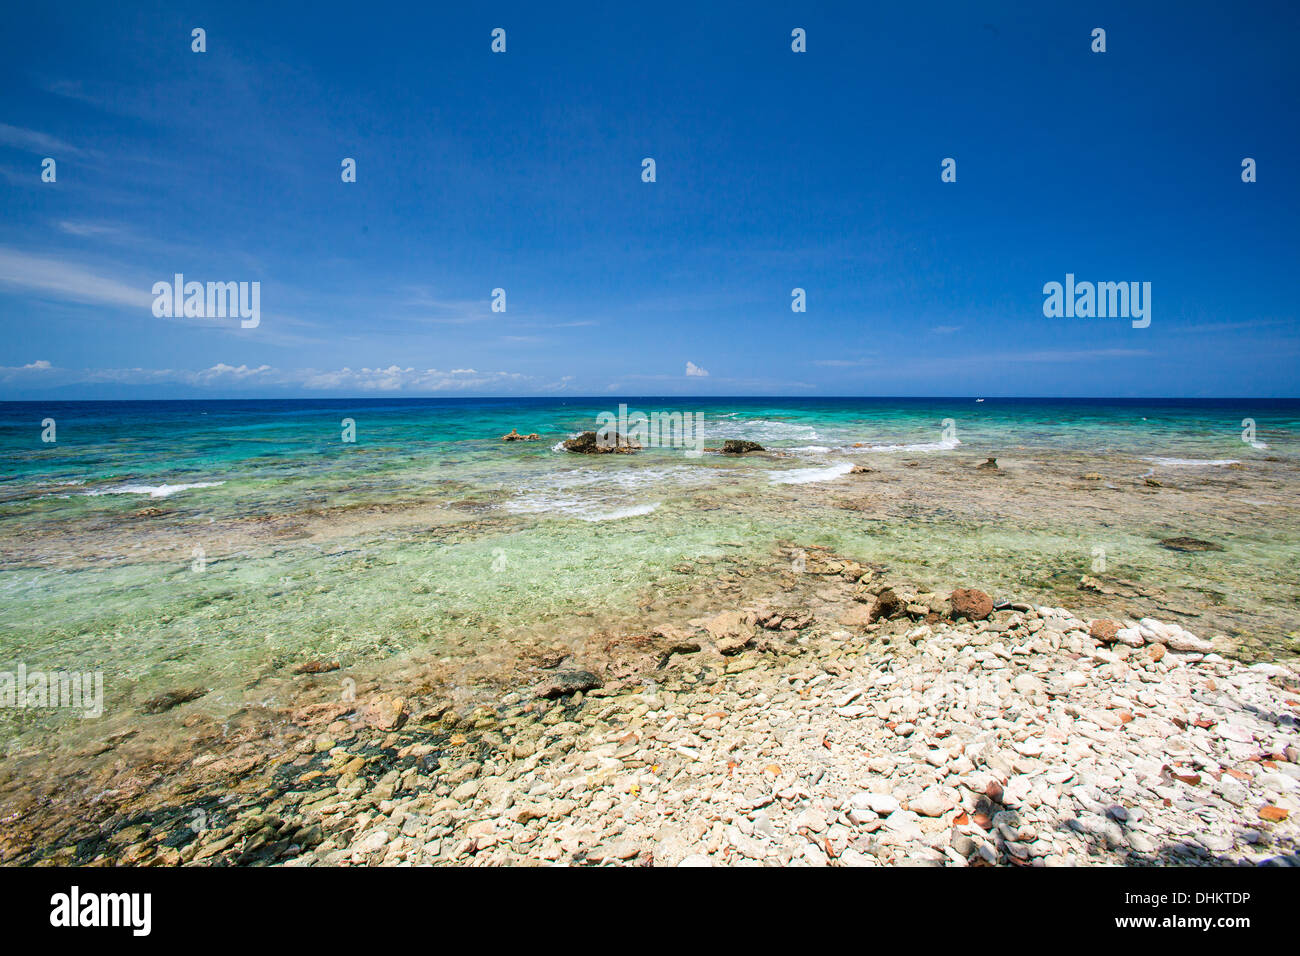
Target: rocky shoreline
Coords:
[(849, 721)]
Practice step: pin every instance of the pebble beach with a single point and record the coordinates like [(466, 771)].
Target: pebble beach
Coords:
[(847, 721)]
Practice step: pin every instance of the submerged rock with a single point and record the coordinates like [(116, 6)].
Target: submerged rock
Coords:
[(172, 698), (588, 444), (1189, 544), (680, 647), (316, 667), (567, 683), (735, 446), (990, 465)]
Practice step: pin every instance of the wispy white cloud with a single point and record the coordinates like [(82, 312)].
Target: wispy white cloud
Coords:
[(55, 278), (60, 279), (428, 307), (35, 141), (844, 363), (1065, 355), (895, 367), (674, 385), (88, 229), (394, 378), (695, 371)]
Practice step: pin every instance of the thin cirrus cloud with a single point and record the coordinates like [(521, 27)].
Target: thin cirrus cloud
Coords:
[(422, 304), (844, 363), (394, 378), (49, 278), (34, 141), (54, 278), (89, 230), (1045, 356)]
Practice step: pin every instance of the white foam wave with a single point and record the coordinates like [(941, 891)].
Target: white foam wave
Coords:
[(616, 480), (629, 512), (803, 476), (761, 430), (574, 506), (153, 491), (946, 444), (1191, 462)]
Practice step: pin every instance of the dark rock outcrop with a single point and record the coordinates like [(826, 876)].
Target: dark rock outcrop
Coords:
[(887, 604), (735, 446), (588, 444)]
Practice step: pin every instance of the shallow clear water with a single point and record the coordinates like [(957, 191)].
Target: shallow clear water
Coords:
[(214, 543)]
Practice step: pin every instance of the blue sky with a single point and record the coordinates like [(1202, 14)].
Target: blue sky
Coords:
[(775, 170)]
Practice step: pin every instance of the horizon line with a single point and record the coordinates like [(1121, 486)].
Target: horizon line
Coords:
[(606, 398)]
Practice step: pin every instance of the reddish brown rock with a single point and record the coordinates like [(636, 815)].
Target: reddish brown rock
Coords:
[(971, 604), (1104, 630), (316, 667)]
